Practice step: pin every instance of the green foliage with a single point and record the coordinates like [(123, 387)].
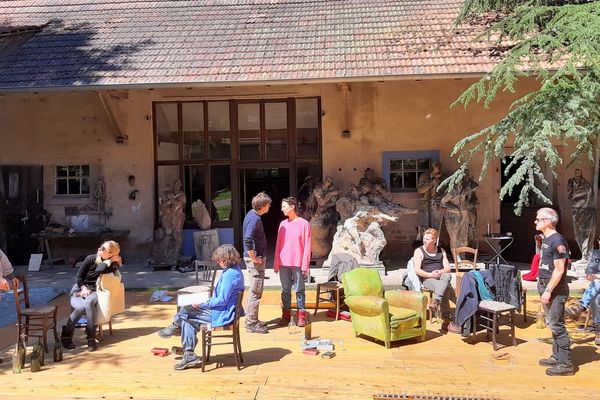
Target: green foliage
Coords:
[(558, 42)]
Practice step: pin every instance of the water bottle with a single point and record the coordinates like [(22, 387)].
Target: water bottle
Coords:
[(292, 328), (16, 362), (35, 360), (41, 352), (58, 351)]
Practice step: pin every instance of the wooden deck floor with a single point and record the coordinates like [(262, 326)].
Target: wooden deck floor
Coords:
[(274, 368)]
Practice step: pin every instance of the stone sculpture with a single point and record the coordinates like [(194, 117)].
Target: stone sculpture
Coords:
[(172, 216), (361, 237), (460, 212), (427, 186), (581, 198), (324, 219), (200, 214)]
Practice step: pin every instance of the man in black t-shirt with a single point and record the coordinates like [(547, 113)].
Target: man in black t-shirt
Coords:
[(554, 291)]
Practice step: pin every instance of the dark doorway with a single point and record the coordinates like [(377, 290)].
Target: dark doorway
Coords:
[(521, 226), (21, 212), (276, 183)]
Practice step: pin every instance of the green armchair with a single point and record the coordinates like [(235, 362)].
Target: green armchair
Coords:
[(390, 316)]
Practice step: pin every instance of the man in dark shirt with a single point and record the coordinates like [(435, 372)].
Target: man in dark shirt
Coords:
[(554, 291), (255, 249)]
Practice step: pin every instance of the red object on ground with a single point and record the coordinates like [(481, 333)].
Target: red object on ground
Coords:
[(160, 351), (535, 267), (345, 315)]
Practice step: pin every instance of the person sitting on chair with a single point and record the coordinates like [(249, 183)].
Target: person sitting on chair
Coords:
[(591, 294), (432, 266), (83, 296), (217, 311)]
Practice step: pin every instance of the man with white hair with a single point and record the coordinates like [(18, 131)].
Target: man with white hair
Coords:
[(554, 291)]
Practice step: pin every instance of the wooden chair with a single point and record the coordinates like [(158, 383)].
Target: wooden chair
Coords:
[(460, 260), (231, 332), (206, 271), (491, 315), (33, 321), (330, 293)]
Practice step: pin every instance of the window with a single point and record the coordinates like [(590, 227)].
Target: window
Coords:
[(402, 169), (72, 180)]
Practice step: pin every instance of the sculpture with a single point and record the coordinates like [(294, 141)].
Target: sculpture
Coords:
[(460, 212), (361, 237), (172, 216), (427, 186), (306, 203), (325, 218), (581, 198), (100, 195), (200, 214)]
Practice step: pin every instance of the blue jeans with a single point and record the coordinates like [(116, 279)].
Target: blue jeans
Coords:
[(291, 277), (191, 320), (555, 316), (590, 297)]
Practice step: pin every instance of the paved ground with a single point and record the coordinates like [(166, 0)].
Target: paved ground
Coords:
[(139, 276)]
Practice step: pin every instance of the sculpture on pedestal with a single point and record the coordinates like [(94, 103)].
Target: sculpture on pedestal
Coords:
[(324, 219), (364, 209), (460, 212), (581, 198)]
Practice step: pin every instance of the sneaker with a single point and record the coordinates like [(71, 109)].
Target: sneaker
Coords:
[(561, 370), (574, 311), (256, 328), (548, 362), (451, 327), (189, 360), (169, 331)]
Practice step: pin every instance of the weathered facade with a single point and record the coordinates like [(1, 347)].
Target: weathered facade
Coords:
[(119, 128)]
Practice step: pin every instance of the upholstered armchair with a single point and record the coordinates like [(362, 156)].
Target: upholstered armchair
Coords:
[(390, 316)]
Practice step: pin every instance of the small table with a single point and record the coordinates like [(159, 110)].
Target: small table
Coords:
[(503, 241), (45, 238)]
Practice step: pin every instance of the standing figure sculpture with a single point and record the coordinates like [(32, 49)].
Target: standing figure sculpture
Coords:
[(100, 195), (581, 198), (427, 186), (459, 205), (172, 216), (325, 218)]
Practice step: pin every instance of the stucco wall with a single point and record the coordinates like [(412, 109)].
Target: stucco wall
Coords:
[(56, 128)]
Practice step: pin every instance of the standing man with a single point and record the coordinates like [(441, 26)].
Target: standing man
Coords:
[(255, 250), (292, 259), (554, 291)]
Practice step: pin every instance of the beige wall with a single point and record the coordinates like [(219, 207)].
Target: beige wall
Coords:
[(57, 128)]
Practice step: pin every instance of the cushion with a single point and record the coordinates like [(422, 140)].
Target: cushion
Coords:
[(403, 316)]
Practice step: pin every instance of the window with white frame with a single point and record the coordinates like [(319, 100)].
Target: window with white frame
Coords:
[(402, 169), (72, 180)]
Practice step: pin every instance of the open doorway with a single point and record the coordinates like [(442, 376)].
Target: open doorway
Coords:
[(276, 183), (521, 226)]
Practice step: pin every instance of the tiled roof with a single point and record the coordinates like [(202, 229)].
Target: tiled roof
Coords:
[(129, 42)]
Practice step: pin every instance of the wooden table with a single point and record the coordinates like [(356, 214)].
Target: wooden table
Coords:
[(57, 239)]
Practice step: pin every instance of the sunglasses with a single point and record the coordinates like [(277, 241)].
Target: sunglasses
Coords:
[(102, 248)]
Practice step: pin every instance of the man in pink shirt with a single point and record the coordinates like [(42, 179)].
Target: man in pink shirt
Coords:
[(292, 259)]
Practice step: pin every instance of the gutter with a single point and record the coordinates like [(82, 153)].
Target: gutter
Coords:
[(281, 82)]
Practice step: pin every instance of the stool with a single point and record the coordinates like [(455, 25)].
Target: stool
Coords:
[(590, 315), (333, 288), (493, 314)]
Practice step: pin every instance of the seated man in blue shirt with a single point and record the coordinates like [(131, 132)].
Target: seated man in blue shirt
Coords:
[(217, 311), (591, 294)]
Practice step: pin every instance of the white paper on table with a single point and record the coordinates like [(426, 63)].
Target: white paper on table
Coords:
[(192, 298)]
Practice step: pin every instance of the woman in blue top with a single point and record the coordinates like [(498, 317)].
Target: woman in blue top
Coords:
[(217, 311)]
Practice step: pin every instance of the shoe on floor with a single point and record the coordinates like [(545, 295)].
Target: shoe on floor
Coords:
[(548, 362), (561, 370), (169, 331), (189, 360), (92, 345), (257, 328), (574, 311)]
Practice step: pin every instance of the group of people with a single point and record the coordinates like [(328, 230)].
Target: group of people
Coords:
[(292, 259), (433, 269)]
